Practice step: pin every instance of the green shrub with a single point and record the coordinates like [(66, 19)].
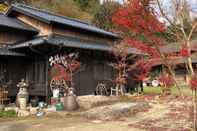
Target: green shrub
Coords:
[(6, 114)]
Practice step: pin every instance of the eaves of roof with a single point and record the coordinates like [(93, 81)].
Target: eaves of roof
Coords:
[(70, 42), (13, 23), (4, 51), (49, 17)]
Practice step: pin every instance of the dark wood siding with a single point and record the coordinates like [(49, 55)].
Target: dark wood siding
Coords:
[(10, 37), (12, 69), (36, 77)]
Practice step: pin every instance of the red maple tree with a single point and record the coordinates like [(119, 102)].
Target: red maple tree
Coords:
[(138, 24), (140, 28)]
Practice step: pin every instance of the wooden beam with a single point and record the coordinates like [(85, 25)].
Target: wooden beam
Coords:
[(47, 78)]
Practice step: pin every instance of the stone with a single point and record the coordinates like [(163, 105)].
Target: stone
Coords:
[(157, 97), (114, 111), (33, 110), (22, 103), (90, 101), (23, 113), (50, 109), (12, 108)]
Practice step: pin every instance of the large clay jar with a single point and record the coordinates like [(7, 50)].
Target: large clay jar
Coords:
[(70, 103)]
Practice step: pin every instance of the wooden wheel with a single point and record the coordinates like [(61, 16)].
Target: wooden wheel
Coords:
[(101, 89)]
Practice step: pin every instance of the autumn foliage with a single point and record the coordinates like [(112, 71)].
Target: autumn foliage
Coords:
[(140, 29), (59, 73), (184, 52), (64, 69), (137, 22), (142, 70), (137, 17), (193, 82), (166, 80)]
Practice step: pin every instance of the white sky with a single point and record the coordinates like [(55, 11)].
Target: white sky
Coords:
[(193, 3), (113, 0)]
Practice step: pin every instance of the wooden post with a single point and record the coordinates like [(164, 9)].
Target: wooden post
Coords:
[(47, 78), (117, 86)]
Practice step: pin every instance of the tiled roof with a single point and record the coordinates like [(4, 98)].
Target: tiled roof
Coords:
[(70, 42), (16, 24), (66, 41), (5, 52), (49, 17)]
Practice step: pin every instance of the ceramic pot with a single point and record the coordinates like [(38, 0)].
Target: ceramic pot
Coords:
[(70, 103), (59, 106)]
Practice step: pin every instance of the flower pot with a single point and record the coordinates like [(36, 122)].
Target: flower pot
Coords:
[(59, 106)]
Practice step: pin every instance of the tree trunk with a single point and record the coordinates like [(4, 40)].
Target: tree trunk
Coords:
[(195, 110)]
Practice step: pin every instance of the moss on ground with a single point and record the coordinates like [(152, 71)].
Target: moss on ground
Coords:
[(8, 114)]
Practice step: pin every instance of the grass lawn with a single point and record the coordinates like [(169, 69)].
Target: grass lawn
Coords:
[(157, 90)]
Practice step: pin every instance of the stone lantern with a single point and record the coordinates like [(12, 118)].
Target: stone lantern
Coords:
[(23, 95)]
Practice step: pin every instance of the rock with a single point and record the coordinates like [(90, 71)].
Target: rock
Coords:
[(50, 109), (23, 113), (40, 113), (157, 97), (115, 111), (12, 108), (33, 110), (89, 101), (96, 121)]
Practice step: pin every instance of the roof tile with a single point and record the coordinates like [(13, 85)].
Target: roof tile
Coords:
[(50, 17), (16, 24)]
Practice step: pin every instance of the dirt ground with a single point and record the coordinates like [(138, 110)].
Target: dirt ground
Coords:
[(165, 114)]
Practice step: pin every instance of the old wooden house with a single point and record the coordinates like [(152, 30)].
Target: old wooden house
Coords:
[(177, 63), (29, 36)]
